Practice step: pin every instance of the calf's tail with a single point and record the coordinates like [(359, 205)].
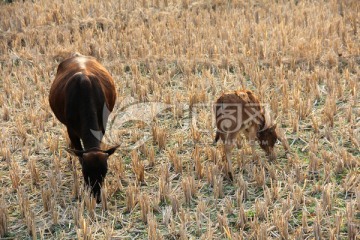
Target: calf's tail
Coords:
[(217, 136)]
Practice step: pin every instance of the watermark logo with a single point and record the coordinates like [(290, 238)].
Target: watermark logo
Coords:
[(226, 118), (232, 117), (131, 111)]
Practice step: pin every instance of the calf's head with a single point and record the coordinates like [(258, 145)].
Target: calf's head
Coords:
[(267, 139), (94, 167), (267, 136)]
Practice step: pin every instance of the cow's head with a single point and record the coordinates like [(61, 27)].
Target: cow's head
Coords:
[(94, 167), (267, 136)]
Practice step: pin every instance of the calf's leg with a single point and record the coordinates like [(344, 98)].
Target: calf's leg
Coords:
[(251, 134), (228, 146), (217, 136)]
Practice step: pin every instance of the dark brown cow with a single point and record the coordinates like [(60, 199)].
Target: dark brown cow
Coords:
[(241, 111), (82, 96)]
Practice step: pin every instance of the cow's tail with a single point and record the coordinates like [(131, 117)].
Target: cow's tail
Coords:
[(78, 97), (80, 93)]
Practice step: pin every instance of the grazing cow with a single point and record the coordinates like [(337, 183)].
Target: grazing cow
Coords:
[(240, 111), (82, 96)]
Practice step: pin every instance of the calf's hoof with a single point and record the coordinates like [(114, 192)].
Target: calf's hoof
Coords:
[(231, 177)]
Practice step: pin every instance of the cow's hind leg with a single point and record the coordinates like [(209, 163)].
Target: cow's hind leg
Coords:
[(74, 140), (75, 143)]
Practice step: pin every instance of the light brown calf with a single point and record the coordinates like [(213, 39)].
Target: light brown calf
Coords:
[(241, 111)]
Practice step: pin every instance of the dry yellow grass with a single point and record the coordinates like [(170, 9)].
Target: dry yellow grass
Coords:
[(301, 56)]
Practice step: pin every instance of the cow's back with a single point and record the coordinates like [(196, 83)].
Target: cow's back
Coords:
[(67, 82)]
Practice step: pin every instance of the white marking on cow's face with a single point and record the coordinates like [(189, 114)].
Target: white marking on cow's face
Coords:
[(81, 61)]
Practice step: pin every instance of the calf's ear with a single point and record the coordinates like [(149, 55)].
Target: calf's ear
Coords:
[(273, 128), (75, 152), (111, 150)]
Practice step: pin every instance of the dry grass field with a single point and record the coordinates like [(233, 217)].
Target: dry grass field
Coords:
[(302, 57)]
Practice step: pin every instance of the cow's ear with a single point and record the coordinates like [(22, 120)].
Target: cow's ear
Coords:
[(111, 150), (75, 152)]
